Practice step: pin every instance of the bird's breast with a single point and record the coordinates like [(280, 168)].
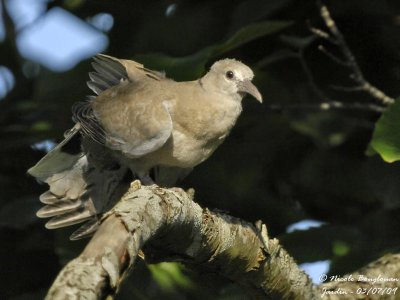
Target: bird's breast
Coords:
[(197, 135), (200, 125), (189, 151)]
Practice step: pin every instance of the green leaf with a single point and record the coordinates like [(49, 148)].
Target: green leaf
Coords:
[(326, 129), (298, 42), (179, 68), (386, 137), (251, 32), (41, 126), (340, 248), (192, 66), (170, 276)]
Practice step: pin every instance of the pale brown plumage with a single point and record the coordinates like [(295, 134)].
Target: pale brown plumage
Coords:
[(139, 120)]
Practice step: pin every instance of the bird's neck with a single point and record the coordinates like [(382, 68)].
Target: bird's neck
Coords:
[(207, 83), (213, 84)]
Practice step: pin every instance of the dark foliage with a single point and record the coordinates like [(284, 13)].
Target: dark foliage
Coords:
[(285, 161)]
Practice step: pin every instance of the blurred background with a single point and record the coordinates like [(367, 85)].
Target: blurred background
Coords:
[(301, 169)]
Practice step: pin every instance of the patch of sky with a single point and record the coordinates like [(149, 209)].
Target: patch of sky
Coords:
[(102, 21), (60, 40), (304, 225), (7, 81), (314, 269), (45, 145)]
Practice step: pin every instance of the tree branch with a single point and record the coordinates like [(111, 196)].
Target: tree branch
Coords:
[(378, 280), (168, 226)]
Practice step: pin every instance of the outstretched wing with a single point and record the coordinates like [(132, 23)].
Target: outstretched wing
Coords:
[(111, 71), (126, 115)]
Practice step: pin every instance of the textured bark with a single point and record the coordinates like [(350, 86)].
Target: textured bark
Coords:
[(360, 284), (167, 225)]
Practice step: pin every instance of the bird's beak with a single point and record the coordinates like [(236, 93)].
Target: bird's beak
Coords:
[(248, 87)]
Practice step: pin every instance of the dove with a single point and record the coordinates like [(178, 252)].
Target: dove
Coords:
[(139, 124)]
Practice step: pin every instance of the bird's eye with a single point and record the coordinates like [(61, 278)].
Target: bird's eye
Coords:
[(229, 75)]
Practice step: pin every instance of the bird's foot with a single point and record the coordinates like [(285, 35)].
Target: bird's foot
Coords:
[(146, 180)]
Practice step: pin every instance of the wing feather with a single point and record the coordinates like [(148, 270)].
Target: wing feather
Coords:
[(82, 113)]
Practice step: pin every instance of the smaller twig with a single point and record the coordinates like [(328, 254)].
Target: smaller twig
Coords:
[(347, 88), (354, 105), (357, 76), (321, 33), (333, 57), (344, 48), (329, 105), (310, 77), (377, 93)]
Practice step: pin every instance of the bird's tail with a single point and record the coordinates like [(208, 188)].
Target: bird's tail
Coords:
[(78, 189)]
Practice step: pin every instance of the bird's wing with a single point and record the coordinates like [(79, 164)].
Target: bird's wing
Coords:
[(129, 114), (108, 72), (111, 71), (135, 116)]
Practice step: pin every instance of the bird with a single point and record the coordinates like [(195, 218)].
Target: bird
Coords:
[(139, 124)]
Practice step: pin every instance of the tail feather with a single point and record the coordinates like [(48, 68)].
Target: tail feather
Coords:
[(58, 208), (75, 217), (69, 184), (58, 159), (48, 198), (67, 199), (82, 185), (85, 230)]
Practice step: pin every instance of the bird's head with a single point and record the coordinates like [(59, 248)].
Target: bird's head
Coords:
[(232, 77)]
